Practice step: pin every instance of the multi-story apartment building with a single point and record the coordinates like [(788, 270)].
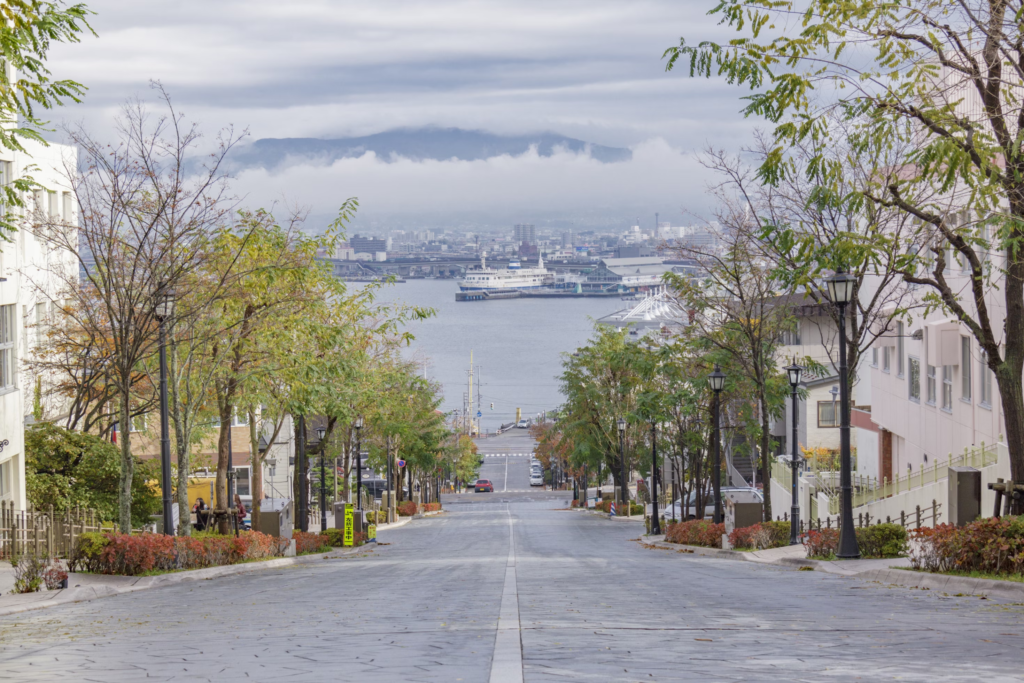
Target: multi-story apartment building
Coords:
[(29, 297)]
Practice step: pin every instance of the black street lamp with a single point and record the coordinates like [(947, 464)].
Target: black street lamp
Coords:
[(302, 475), (622, 463), (840, 290), (359, 462), (655, 523), (717, 381), (794, 371), (163, 310), (321, 433)]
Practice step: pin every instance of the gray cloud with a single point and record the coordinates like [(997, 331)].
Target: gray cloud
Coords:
[(303, 68)]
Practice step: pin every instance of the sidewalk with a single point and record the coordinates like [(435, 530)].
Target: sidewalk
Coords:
[(82, 587), (890, 572)]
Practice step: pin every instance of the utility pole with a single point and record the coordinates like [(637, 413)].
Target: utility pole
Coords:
[(471, 392)]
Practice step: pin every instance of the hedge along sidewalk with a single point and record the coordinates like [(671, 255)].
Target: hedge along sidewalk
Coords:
[(105, 585), (889, 571)]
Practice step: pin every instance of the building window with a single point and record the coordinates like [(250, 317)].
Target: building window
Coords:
[(947, 387), (138, 423), (915, 380), (791, 337), (68, 207), (899, 349), (241, 481), (8, 337), (240, 419), (874, 358), (931, 384), (965, 368), (985, 379), (885, 359), (827, 414)]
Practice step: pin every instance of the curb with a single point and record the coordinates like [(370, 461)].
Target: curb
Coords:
[(15, 604), (905, 578), (604, 515), (954, 585)]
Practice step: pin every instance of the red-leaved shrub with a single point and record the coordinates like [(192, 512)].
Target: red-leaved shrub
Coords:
[(696, 532), (761, 536), (994, 546), (129, 555), (306, 542), (431, 507), (821, 542), (407, 508)]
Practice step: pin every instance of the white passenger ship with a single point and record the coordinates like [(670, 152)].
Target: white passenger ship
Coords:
[(513, 277)]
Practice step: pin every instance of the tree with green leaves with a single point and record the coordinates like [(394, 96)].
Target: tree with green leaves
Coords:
[(28, 30), (941, 81), (69, 469)]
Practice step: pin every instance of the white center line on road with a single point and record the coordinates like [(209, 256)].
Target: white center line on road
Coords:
[(505, 487), (507, 662)]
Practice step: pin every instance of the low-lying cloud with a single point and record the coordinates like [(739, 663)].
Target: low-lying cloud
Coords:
[(658, 178)]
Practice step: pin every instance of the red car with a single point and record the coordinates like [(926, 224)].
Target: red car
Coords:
[(483, 486)]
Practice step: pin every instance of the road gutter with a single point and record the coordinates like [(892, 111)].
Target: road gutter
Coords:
[(507, 662)]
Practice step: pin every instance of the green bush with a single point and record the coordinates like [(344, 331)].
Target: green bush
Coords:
[(69, 469), (882, 540), (87, 550), (336, 537)]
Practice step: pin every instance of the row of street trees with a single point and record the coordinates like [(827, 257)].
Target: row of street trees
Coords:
[(900, 123), (258, 328)]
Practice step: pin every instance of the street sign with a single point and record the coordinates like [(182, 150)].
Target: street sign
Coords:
[(401, 463), (479, 414), (347, 535)]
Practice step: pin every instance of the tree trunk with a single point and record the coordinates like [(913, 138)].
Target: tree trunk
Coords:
[(1011, 394), (766, 472), (222, 503), (256, 461), (124, 493)]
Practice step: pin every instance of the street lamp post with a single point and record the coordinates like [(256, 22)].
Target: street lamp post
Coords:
[(359, 462), (622, 463), (163, 310), (840, 290), (321, 433), (655, 523), (302, 474), (717, 381), (794, 371)]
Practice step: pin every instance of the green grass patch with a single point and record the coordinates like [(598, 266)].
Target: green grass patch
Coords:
[(1017, 578)]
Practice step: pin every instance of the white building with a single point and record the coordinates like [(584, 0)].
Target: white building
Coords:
[(28, 299)]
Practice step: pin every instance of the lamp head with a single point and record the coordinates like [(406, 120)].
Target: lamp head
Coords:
[(359, 422), (163, 302), (320, 433), (717, 379), (840, 287), (622, 425), (794, 371)]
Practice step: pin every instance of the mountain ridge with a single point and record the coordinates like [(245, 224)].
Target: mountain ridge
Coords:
[(418, 144)]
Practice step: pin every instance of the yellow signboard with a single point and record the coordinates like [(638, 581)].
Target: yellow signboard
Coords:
[(348, 537), (371, 533)]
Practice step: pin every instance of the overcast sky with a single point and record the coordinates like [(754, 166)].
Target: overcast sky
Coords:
[(591, 70)]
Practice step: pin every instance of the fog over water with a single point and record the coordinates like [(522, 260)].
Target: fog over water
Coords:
[(517, 344)]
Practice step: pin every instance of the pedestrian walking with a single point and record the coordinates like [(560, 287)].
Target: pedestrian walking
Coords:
[(240, 511)]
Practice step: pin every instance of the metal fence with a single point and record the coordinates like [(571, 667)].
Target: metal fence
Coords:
[(870, 489), (42, 533), (930, 515)]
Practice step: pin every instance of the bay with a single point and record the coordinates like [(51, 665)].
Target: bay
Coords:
[(517, 346)]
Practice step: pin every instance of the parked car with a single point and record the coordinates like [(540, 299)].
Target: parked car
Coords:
[(737, 493), (483, 486), (523, 424), (536, 479)]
